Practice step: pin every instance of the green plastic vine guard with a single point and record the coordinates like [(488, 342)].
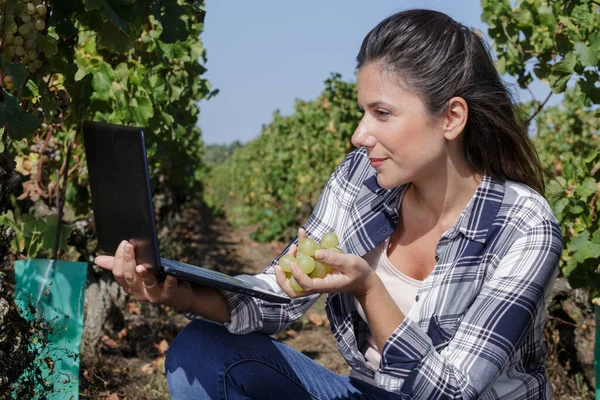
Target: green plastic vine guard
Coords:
[(56, 290)]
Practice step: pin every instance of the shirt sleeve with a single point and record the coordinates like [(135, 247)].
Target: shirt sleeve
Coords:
[(489, 332), (250, 314)]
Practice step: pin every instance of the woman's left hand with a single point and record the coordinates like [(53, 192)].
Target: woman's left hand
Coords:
[(350, 274)]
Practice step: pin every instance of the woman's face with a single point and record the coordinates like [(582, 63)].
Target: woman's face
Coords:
[(403, 143)]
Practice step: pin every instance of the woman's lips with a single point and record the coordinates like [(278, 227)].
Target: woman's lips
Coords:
[(376, 162)]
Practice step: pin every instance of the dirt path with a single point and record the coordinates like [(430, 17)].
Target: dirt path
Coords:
[(131, 362)]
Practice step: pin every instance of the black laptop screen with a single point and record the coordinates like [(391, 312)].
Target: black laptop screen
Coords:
[(121, 199)]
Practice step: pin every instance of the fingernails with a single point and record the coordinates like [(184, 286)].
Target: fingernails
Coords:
[(320, 254), (127, 249), (140, 269)]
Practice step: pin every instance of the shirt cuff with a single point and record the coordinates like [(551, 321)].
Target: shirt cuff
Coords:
[(244, 313)]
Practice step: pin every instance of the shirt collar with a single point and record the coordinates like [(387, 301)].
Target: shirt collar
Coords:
[(475, 219)]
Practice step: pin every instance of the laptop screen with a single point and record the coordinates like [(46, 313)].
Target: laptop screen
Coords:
[(120, 186)]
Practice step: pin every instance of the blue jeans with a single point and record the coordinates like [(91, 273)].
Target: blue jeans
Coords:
[(205, 361)]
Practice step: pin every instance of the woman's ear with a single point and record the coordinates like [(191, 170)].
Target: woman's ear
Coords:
[(456, 118)]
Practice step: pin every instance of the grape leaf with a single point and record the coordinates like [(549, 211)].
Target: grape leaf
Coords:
[(587, 55), (108, 13), (47, 44), (49, 233), (20, 123), (561, 73), (115, 39), (103, 77), (587, 188), (175, 27), (18, 73)]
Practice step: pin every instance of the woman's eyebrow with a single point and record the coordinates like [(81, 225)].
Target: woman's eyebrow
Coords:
[(378, 103)]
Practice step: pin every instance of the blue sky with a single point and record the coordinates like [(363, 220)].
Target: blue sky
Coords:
[(264, 54)]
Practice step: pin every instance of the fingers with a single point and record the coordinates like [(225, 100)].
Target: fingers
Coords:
[(105, 262), (305, 281), (301, 234), (284, 283), (154, 290), (148, 279), (124, 266), (337, 260)]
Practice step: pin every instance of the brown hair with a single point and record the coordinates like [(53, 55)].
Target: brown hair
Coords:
[(439, 58)]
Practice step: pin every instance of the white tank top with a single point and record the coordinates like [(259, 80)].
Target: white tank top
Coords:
[(401, 287)]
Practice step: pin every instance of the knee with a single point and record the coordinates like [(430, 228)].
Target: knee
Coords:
[(193, 346), (195, 360)]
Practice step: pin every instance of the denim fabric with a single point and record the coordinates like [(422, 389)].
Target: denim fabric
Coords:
[(206, 361)]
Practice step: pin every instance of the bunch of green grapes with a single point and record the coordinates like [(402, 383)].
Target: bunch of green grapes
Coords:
[(22, 30), (305, 258)]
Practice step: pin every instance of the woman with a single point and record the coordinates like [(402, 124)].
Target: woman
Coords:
[(450, 246)]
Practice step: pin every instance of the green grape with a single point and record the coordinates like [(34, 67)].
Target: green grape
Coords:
[(31, 35), (40, 25), (321, 270), (24, 29), (284, 262), (8, 82), (32, 55), (26, 18), (13, 29), (29, 44), (10, 51), (19, 51), (9, 38), (329, 239), (294, 285), (41, 9), (30, 9), (308, 246), (306, 264), (17, 41), (37, 63)]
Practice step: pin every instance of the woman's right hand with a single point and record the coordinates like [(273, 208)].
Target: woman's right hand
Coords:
[(143, 284)]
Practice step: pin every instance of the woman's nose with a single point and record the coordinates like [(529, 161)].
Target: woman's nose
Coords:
[(362, 137)]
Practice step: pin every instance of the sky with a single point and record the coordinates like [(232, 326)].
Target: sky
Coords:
[(263, 55)]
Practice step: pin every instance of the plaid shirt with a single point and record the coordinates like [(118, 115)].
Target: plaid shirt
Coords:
[(475, 331)]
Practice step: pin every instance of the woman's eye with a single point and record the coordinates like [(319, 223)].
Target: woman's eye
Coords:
[(382, 113)]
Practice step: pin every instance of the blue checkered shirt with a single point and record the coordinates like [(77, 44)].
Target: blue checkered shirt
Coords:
[(476, 330)]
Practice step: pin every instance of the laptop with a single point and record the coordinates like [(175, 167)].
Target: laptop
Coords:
[(122, 206)]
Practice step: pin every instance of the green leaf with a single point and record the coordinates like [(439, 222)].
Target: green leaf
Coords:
[(108, 13), (47, 44), (49, 234), (562, 72), (175, 27), (587, 55), (115, 39), (81, 93), (141, 110), (20, 123), (102, 82), (18, 73), (587, 188), (583, 248), (501, 65)]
